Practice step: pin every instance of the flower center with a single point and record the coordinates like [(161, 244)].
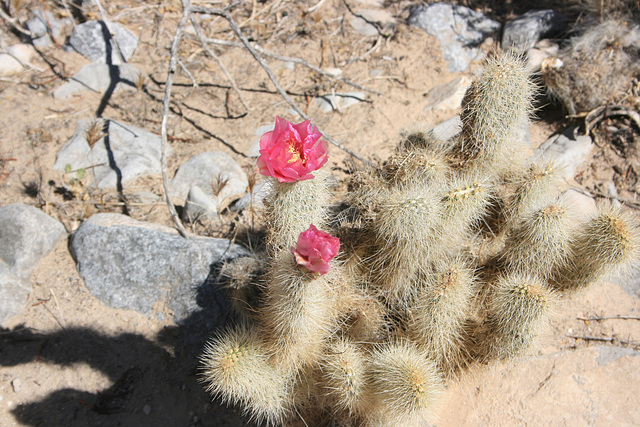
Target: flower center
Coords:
[(294, 150)]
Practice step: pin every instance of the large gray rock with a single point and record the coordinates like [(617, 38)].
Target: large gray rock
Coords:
[(99, 77), (460, 30), (125, 153), (140, 266), (26, 235), (523, 32), (204, 170), (90, 39), (567, 150)]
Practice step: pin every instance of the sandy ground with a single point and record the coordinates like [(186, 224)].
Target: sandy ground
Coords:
[(69, 360)]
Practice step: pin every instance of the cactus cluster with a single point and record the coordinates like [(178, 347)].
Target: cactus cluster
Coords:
[(451, 255)]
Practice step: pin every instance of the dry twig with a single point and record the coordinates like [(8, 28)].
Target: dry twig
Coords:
[(599, 318), (225, 14), (211, 53), (295, 60)]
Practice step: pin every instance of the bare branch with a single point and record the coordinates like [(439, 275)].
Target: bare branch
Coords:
[(295, 60), (14, 24), (186, 5), (211, 53), (283, 93)]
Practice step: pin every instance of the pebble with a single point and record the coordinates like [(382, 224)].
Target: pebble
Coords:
[(146, 409), (203, 170), (16, 385)]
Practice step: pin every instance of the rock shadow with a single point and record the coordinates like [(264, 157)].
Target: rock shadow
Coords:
[(155, 382)]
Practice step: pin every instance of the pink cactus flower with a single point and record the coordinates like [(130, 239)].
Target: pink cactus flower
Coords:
[(315, 250), (291, 152)]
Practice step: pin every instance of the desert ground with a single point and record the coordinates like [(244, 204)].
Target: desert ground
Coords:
[(67, 359)]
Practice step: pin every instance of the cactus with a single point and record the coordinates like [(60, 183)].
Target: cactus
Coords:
[(403, 386), (518, 312), (450, 256), (236, 368), (607, 243)]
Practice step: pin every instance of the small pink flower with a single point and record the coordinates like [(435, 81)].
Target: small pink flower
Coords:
[(290, 152), (315, 249)]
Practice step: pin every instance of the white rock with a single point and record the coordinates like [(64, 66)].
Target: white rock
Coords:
[(11, 61), (339, 101), (448, 96), (536, 55), (568, 150), (202, 170), (448, 129), (127, 153), (200, 205)]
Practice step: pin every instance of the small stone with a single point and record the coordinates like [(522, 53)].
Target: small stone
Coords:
[(448, 96), (523, 32), (339, 101), (17, 54), (90, 40), (568, 150), (146, 409), (124, 154), (254, 151), (364, 24), (204, 171), (200, 205), (26, 236), (42, 25), (16, 384), (537, 55), (448, 129), (261, 191)]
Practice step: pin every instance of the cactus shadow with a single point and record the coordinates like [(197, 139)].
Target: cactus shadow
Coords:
[(153, 380)]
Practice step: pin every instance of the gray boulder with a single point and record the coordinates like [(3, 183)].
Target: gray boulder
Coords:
[(200, 206), (94, 40), (125, 153), (523, 32), (140, 266), (26, 236), (99, 77), (460, 30)]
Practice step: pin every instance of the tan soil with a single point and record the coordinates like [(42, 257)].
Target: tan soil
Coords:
[(70, 360)]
